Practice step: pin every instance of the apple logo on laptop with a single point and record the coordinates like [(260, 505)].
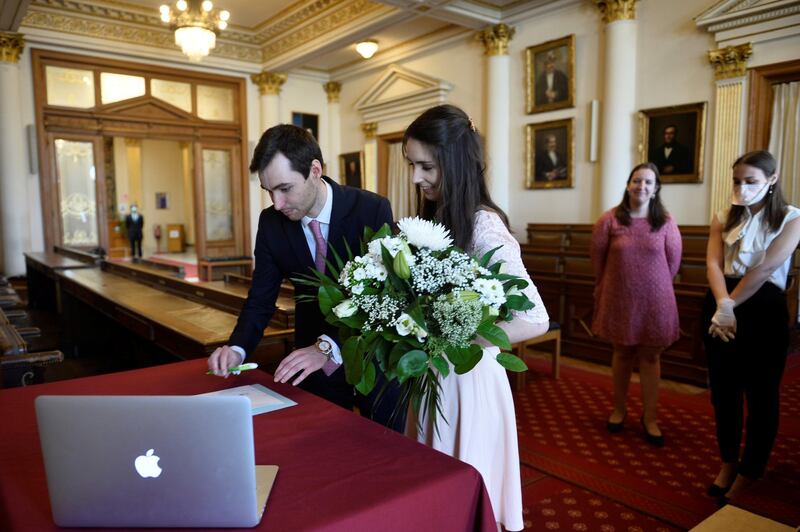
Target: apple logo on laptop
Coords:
[(147, 465)]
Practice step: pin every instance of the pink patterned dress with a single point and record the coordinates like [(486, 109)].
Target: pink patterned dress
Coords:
[(634, 302)]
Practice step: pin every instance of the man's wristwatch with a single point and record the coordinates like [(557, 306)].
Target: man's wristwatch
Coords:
[(325, 347)]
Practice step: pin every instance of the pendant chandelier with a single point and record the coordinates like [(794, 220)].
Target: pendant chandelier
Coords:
[(196, 24)]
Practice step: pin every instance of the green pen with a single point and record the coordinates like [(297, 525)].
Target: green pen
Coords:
[(238, 369)]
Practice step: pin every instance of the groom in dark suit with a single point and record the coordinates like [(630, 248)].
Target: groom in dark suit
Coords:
[(310, 213)]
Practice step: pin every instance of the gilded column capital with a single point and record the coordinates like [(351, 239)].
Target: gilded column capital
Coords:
[(730, 62), (11, 46), (269, 82), (370, 129), (496, 38), (332, 89), (614, 10)]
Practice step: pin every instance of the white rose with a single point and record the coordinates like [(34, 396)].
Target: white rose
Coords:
[(346, 308)]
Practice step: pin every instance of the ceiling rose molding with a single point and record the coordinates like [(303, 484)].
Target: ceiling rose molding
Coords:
[(116, 31), (401, 92)]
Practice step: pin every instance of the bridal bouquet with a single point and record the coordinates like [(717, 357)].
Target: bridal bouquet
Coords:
[(412, 305)]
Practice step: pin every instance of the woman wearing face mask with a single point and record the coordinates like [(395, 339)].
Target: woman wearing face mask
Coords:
[(746, 318), (636, 251)]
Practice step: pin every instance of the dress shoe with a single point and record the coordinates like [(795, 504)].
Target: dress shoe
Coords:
[(652, 439), (613, 428), (717, 491)]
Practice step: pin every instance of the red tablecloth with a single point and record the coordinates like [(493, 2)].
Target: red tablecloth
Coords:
[(338, 471)]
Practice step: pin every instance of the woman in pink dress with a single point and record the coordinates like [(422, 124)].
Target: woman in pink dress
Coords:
[(636, 251), (444, 151)]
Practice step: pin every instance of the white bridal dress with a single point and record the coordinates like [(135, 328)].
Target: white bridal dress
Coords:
[(481, 428)]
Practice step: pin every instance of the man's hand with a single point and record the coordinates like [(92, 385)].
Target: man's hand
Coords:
[(306, 360), (223, 358)]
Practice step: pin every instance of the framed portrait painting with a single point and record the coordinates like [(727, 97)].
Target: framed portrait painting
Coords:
[(672, 138), (550, 75), (350, 165), (308, 122), (549, 154)]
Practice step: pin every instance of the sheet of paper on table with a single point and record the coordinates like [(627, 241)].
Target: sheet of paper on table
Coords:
[(262, 399)]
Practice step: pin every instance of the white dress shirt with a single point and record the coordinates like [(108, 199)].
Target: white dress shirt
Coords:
[(324, 219)]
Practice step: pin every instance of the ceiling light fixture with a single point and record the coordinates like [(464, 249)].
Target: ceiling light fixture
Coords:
[(196, 24), (367, 48)]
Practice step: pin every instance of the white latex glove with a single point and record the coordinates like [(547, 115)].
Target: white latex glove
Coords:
[(723, 323), (724, 316)]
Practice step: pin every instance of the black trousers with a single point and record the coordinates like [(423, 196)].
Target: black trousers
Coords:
[(381, 405), (748, 368), (136, 247)]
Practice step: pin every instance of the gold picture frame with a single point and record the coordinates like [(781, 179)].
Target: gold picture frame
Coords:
[(549, 150), (351, 169), (673, 138), (550, 75)]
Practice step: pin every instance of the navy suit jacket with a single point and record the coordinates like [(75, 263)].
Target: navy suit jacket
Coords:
[(282, 252)]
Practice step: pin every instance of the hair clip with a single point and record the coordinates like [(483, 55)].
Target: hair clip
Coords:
[(472, 124)]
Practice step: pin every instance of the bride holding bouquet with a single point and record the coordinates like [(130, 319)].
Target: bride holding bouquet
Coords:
[(444, 151)]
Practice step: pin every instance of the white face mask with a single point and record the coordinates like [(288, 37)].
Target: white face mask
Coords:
[(749, 194)]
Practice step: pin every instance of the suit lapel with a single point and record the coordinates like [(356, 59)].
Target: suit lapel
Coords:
[(339, 210), (297, 240)]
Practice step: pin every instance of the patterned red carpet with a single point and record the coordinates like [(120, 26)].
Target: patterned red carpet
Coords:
[(562, 434)]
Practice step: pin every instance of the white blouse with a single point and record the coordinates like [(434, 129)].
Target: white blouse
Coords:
[(746, 244)]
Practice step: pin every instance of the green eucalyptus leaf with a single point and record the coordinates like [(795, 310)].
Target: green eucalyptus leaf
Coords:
[(412, 364), (351, 358), (367, 382), (473, 355), (495, 335), (512, 362), (441, 364)]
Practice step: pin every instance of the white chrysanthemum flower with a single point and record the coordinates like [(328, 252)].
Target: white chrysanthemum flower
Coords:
[(425, 234)]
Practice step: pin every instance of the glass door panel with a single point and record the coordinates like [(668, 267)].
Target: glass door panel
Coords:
[(77, 186), (217, 174)]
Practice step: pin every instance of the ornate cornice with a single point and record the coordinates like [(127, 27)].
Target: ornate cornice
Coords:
[(269, 82), (11, 46), (496, 38), (370, 129), (115, 31), (319, 27), (332, 89), (730, 62), (293, 16), (614, 10)]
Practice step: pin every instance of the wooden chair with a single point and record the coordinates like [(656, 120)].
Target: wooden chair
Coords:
[(553, 334)]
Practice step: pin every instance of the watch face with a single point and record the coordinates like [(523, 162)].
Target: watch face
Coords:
[(324, 346)]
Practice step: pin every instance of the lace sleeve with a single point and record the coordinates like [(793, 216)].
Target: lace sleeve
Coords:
[(490, 232)]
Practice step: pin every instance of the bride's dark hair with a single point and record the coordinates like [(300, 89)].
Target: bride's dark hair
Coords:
[(457, 149)]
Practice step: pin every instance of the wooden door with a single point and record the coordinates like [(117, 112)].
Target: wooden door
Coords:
[(219, 201)]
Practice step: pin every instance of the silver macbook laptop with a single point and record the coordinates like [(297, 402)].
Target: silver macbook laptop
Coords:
[(151, 461)]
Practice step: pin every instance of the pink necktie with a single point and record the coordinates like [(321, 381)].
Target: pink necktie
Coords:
[(322, 248)]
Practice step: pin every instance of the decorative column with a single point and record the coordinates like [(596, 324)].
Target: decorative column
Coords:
[(618, 109), (333, 89), (730, 71), (13, 172), (370, 170), (269, 86), (495, 41)]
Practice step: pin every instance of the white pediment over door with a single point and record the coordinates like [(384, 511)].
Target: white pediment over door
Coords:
[(735, 22), (400, 92)]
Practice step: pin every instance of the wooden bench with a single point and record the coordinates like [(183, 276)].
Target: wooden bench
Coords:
[(207, 265)]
